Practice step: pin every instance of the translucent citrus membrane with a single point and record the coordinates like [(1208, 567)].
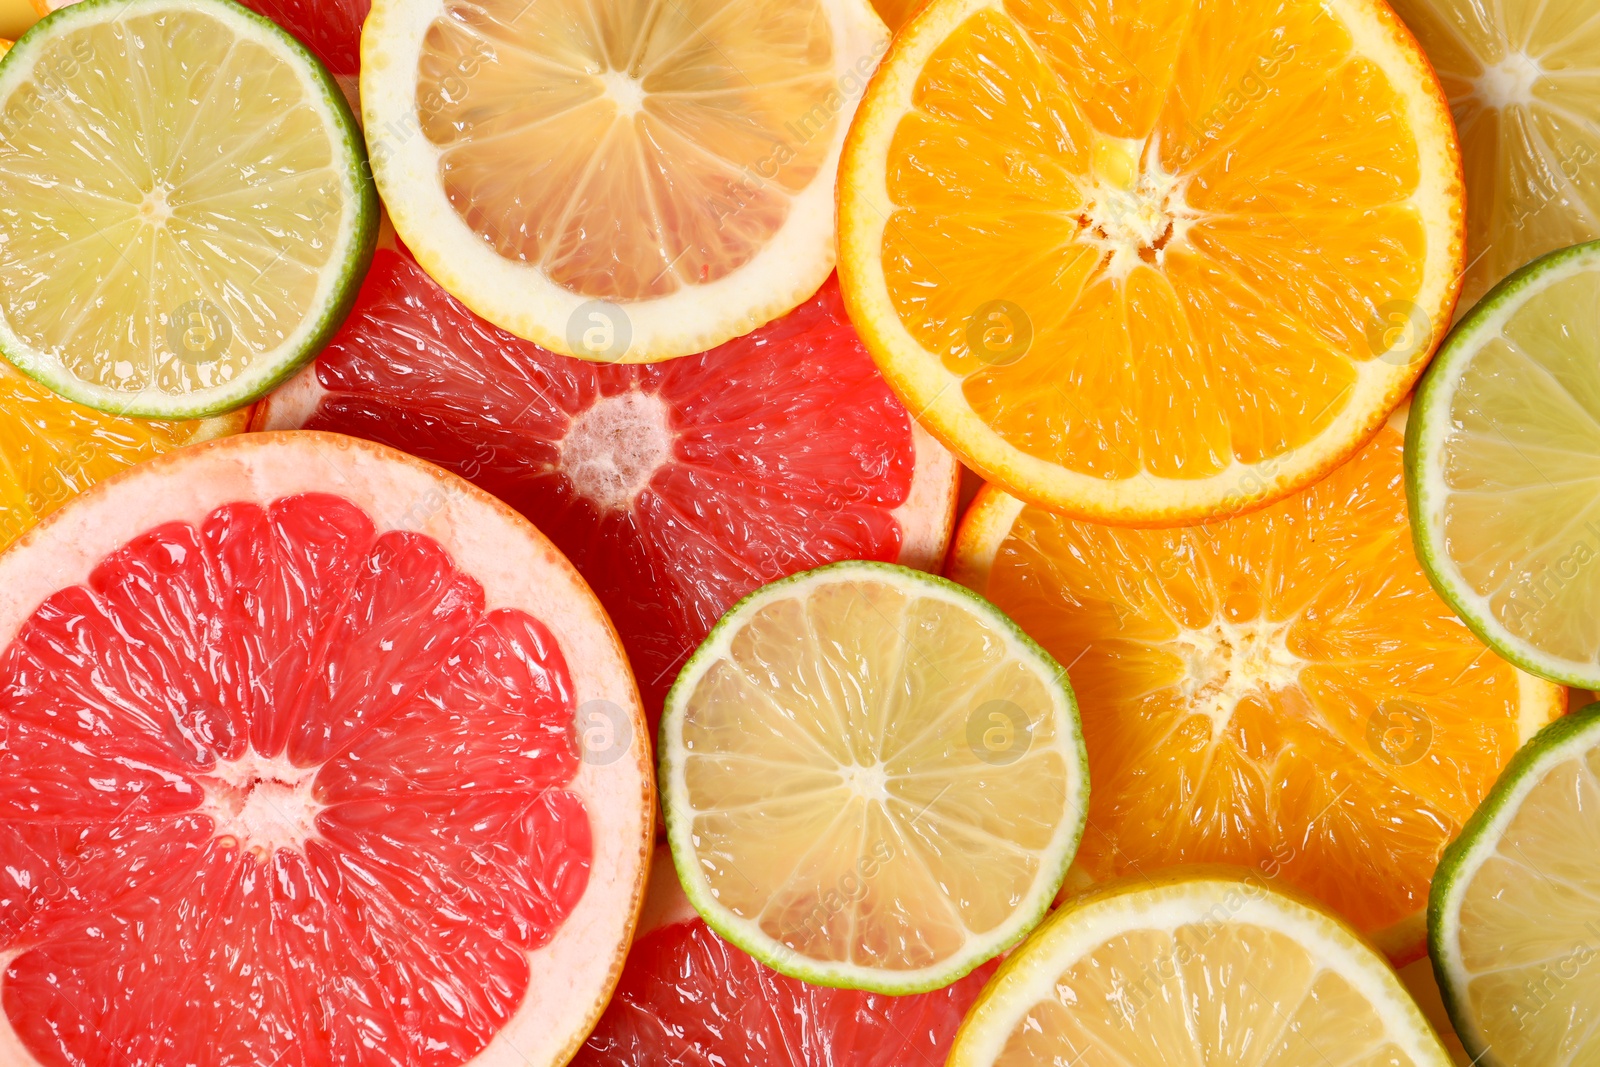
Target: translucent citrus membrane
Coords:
[(291, 777), (214, 198), (628, 149), (1282, 690), (1202, 993), (1523, 79), (683, 983), (835, 799), (1521, 472), (1527, 931), (1197, 245), (51, 449)]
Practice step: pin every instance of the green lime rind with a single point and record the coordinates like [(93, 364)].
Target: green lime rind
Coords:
[(359, 188), (744, 934), (1563, 740), (1426, 426)]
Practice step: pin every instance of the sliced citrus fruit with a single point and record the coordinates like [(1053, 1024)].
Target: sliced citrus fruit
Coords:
[(1151, 264), (51, 449), (1195, 969), (676, 489), (187, 215), (288, 771), (688, 997), (1511, 924), (871, 778), (622, 181), (1520, 76), (1281, 690), (5, 46), (1501, 467), (896, 13)]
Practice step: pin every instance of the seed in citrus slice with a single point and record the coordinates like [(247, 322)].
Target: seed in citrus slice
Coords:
[(871, 778), (688, 997), (1501, 467), (1511, 923), (1281, 690), (187, 218), (618, 181), (1151, 264), (288, 771), (675, 490), (1191, 969), (1520, 76), (52, 449)]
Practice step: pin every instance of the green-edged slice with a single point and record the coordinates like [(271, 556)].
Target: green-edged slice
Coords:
[(186, 215), (1503, 467), (871, 778), (1514, 918)]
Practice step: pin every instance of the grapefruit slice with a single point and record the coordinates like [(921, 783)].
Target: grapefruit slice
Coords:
[(288, 771), (618, 180), (675, 490), (687, 997), (1282, 690)]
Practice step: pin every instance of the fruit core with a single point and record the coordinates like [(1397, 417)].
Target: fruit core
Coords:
[(1225, 662), (625, 92), (615, 446), (1133, 209), (260, 803), (1509, 82)]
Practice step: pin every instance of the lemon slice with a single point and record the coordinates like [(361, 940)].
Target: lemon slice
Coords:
[(186, 217), (1511, 923), (1503, 467), (871, 778), (1193, 969), (618, 180), (1521, 77)]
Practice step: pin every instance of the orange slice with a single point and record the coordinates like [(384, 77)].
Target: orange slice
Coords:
[(618, 180), (1281, 690), (1152, 262)]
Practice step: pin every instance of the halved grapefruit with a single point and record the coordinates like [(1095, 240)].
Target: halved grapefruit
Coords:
[(288, 772), (688, 997), (675, 489)]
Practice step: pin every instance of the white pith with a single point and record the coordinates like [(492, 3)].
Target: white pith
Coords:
[(1509, 82), (615, 446), (572, 975), (1227, 661), (260, 803)]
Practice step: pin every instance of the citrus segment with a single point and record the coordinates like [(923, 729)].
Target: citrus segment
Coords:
[(683, 984), (212, 237), (673, 161), (1281, 690), (870, 778), (1195, 969), (1151, 267), (289, 756), (1520, 78), (52, 449), (676, 490), (1501, 467), (1511, 924)]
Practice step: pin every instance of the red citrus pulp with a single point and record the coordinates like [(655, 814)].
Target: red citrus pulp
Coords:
[(288, 772), (675, 488)]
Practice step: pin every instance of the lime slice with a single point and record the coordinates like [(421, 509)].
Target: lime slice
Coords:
[(186, 214), (1511, 922), (1192, 969), (1503, 468), (871, 778)]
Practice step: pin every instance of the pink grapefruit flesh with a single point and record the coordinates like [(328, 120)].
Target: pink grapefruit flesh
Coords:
[(688, 998), (289, 775), (675, 488)]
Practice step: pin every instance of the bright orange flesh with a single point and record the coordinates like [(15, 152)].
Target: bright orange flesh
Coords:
[(1207, 221), (1282, 690)]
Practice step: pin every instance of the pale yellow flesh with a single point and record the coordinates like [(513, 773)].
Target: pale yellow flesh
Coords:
[(631, 149), (125, 248), (838, 805), (1521, 472), (1528, 934), (1523, 78)]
